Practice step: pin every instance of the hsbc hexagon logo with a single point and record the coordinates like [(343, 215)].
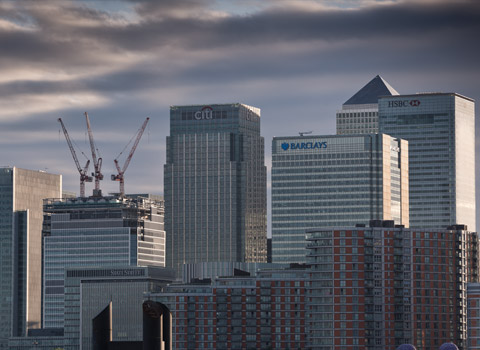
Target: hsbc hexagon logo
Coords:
[(414, 103)]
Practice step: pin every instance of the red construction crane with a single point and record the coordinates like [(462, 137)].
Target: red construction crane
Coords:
[(121, 171), (97, 163), (83, 171)]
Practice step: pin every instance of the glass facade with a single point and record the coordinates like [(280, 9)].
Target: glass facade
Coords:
[(21, 195), (334, 180), (96, 231), (440, 129), (89, 290), (215, 185), (357, 119)]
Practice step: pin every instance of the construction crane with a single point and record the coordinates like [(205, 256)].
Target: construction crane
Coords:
[(121, 171), (301, 133), (97, 163), (83, 171)]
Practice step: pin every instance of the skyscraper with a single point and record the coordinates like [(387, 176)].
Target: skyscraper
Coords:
[(215, 185), (440, 129), (21, 215), (359, 115), (334, 180), (96, 231)]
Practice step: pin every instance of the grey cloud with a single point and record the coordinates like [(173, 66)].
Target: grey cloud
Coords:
[(58, 41), (403, 20)]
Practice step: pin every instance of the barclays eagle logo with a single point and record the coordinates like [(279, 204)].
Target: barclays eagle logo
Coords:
[(285, 146)]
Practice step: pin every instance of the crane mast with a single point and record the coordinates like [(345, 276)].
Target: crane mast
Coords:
[(121, 171), (83, 171), (97, 163)]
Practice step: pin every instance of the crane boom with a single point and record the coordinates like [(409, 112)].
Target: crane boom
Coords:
[(121, 171), (83, 171), (97, 163)]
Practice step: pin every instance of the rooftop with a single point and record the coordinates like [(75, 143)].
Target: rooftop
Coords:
[(369, 93)]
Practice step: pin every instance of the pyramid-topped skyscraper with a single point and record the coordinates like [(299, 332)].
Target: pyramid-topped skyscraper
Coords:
[(359, 115)]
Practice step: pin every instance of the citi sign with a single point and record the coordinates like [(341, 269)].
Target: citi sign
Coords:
[(404, 103), (205, 113), (303, 145)]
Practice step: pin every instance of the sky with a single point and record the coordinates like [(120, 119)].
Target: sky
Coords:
[(297, 60)]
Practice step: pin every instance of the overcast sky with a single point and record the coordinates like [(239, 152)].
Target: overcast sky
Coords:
[(297, 60)]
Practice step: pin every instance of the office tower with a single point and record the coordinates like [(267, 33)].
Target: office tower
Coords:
[(89, 290), (100, 232), (21, 195), (379, 287), (334, 180), (440, 129), (266, 311), (215, 185), (359, 115)]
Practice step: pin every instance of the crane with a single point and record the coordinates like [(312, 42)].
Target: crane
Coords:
[(83, 171), (121, 171), (301, 133), (97, 163)]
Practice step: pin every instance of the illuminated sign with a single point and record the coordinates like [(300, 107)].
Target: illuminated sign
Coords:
[(303, 145), (404, 103)]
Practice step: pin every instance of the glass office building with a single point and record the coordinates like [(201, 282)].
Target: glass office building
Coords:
[(440, 129), (359, 115), (89, 290), (96, 232), (21, 198), (334, 180), (215, 185)]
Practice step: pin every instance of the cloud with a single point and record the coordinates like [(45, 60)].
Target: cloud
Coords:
[(123, 61)]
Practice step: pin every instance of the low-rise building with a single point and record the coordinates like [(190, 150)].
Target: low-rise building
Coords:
[(264, 311)]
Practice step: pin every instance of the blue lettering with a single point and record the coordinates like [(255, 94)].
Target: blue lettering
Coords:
[(308, 145), (292, 146), (324, 144)]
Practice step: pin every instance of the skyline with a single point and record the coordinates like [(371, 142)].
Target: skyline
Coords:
[(295, 60)]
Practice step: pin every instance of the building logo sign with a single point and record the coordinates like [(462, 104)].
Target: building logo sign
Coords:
[(404, 103), (205, 113), (303, 145), (127, 272)]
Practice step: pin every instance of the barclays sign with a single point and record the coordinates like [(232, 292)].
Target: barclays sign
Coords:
[(303, 145)]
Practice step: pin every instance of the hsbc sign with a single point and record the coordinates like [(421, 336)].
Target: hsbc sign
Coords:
[(404, 103)]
